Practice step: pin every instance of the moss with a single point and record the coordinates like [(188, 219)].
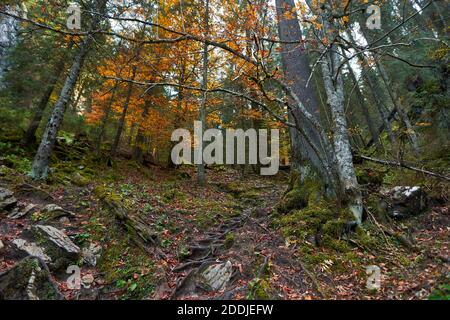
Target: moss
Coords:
[(173, 194), (126, 266), (80, 180), (259, 289), (364, 238), (372, 175), (107, 195), (300, 194), (312, 256), (305, 223), (229, 240), (183, 175), (234, 188), (14, 282), (17, 161)]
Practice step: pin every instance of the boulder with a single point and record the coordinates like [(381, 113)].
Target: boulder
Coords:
[(217, 276), (31, 249), (29, 191), (7, 200), (18, 213), (1, 245), (29, 279), (404, 201), (57, 244)]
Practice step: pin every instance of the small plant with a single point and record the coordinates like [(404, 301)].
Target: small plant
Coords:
[(441, 293), (81, 238), (148, 208)]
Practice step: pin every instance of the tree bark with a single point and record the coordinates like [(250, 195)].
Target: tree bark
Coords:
[(297, 72), (334, 88)]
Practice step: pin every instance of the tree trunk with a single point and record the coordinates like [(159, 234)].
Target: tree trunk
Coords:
[(139, 144), (334, 87), (375, 91), (107, 113), (201, 175), (402, 113), (297, 72), (41, 160), (123, 116), (365, 110)]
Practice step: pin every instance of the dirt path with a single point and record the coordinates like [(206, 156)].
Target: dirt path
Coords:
[(246, 258)]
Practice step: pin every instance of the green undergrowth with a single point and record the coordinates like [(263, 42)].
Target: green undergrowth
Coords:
[(126, 267)]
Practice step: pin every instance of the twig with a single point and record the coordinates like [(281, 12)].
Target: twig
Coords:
[(406, 166)]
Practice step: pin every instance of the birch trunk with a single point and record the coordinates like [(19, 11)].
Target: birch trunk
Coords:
[(334, 87)]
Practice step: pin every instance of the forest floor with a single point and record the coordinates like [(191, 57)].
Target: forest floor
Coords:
[(232, 220)]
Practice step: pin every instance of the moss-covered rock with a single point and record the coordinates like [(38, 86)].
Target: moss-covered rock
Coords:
[(58, 246), (30, 279)]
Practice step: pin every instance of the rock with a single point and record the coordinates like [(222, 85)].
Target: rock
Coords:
[(80, 180), (91, 254), (29, 191), (57, 245), (31, 249), (7, 200), (1, 245), (64, 220), (5, 193), (17, 213), (217, 276), (53, 211), (403, 201), (87, 280), (30, 279)]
